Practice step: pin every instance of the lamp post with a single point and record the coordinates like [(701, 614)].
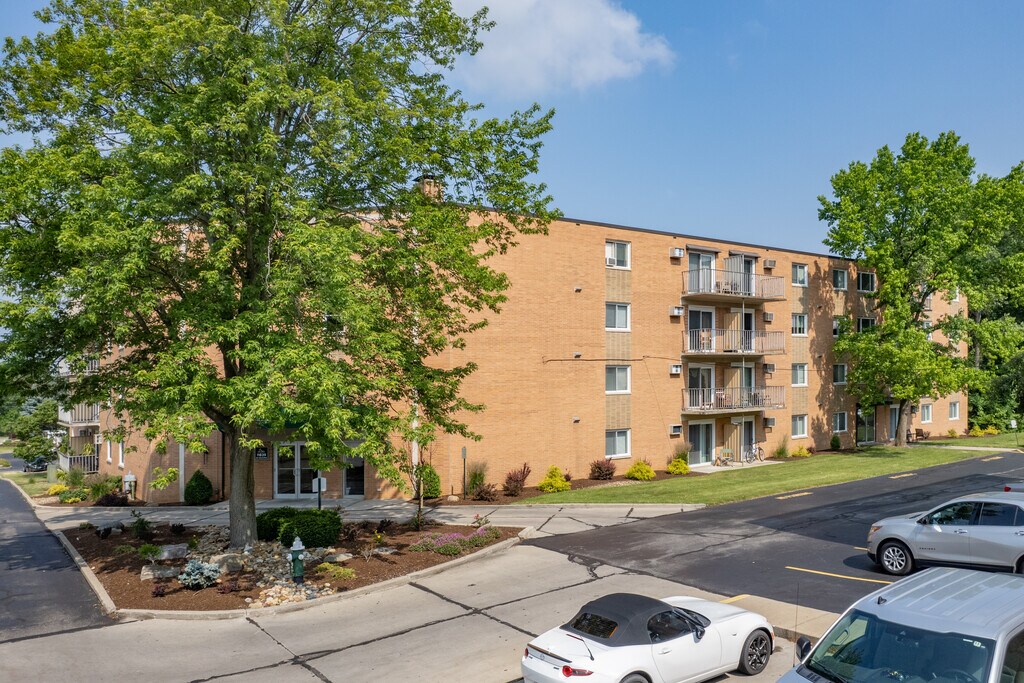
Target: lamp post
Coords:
[(297, 557)]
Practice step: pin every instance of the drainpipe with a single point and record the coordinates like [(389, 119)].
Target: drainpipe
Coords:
[(223, 494)]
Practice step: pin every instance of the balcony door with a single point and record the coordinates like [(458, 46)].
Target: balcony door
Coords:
[(702, 436), (702, 272), (865, 424), (747, 336), (293, 475), (700, 385), (700, 324)]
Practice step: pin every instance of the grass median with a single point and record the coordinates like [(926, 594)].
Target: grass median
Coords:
[(754, 482), (32, 483)]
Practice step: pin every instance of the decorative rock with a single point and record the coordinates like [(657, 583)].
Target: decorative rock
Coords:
[(228, 562), (453, 499), (385, 551), (338, 557), (175, 551), (157, 571)]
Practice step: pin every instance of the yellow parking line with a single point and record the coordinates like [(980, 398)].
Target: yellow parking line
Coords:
[(735, 598), (901, 476), (857, 547), (793, 495), (994, 457), (838, 576)]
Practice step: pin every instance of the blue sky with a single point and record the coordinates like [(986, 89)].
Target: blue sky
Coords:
[(727, 118)]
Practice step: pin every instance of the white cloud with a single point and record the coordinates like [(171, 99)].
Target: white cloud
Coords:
[(538, 46)]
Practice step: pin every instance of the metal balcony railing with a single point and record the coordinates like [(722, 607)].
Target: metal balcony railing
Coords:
[(734, 283), (734, 398), (709, 341), (76, 454), (81, 414)]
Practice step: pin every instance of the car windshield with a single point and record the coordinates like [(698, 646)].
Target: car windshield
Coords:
[(862, 647)]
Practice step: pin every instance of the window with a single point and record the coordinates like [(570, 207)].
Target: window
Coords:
[(594, 625), (956, 294), (616, 316), (1000, 514), (120, 454), (835, 327), (799, 426), (954, 410), (109, 450), (839, 280), (800, 324), (839, 373), (926, 413), (865, 324), (865, 282), (838, 423), (956, 514), (616, 379), (799, 275), (665, 626), (799, 374), (616, 254), (616, 443)]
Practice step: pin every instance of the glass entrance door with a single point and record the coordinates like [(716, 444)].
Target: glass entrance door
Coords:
[(865, 424), (894, 421), (700, 386), (294, 475), (702, 436), (749, 436)]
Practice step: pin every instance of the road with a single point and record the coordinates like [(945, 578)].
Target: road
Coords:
[(805, 548)]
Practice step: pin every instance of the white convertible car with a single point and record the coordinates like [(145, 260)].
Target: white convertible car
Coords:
[(626, 638)]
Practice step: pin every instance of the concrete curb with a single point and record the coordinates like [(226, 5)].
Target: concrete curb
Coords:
[(213, 615)]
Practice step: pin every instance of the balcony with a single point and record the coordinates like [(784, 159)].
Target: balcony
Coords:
[(80, 452), (732, 286), (81, 414), (732, 400), (707, 342)]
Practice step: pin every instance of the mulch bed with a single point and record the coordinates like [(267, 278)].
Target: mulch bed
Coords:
[(120, 572)]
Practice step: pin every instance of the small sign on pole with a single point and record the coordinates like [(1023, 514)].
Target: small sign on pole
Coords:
[(319, 484)]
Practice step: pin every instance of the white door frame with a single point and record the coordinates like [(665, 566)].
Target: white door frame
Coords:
[(297, 494)]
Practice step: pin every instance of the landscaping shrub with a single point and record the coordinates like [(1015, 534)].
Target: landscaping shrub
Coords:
[(4, 463), (991, 430), (554, 481), (678, 466), (800, 452), (75, 478), (952, 434), (148, 551), (73, 496), (782, 450), (835, 444), (975, 431), (429, 480), (515, 481), (486, 492), (123, 549), (199, 489), (268, 524), (602, 469), (335, 572), (159, 590), (177, 529), (198, 575), (114, 499), (476, 476), (100, 485), (385, 526), (640, 471), (452, 544), (316, 528), (141, 527), (56, 489), (568, 475)]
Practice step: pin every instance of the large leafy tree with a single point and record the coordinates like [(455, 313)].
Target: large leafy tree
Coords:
[(223, 188), (916, 218)]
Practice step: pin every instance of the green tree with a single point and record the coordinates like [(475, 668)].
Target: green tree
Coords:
[(915, 218), (34, 428), (223, 188)]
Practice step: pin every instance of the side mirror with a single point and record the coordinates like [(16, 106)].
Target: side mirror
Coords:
[(803, 648), (922, 520), (698, 633)]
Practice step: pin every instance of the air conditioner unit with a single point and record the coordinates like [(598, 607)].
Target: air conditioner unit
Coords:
[(769, 422), (675, 430), (769, 367), (677, 252), (676, 311), (769, 263), (768, 317), (675, 369), (610, 261)]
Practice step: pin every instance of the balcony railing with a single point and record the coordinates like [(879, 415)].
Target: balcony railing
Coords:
[(81, 414), (734, 283), (710, 341), (77, 455), (734, 399)]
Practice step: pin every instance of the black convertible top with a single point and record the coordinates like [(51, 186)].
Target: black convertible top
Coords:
[(629, 612)]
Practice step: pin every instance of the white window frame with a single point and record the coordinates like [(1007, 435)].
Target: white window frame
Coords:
[(860, 324), (835, 427), (110, 452), (629, 444), (793, 325), (836, 366), (846, 280), (835, 327), (954, 411), (629, 379), (874, 283), (795, 369), (926, 413), (799, 281), (956, 294), (610, 252), (793, 424), (120, 454), (629, 313), (927, 325)]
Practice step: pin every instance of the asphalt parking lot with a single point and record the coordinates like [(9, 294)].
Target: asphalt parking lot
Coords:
[(806, 548)]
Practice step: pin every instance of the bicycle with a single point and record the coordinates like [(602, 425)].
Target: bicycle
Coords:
[(752, 453)]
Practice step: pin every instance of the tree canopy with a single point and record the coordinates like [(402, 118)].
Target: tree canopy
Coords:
[(224, 189)]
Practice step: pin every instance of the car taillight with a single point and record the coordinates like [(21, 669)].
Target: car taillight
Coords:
[(1007, 488), (526, 652), (568, 671)]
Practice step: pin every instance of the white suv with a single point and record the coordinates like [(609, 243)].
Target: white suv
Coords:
[(939, 626)]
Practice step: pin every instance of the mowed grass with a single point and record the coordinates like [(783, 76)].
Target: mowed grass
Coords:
[(1006, 440), (32, 483), (754, 482)]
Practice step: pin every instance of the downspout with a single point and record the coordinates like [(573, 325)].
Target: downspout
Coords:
[(223, 494)]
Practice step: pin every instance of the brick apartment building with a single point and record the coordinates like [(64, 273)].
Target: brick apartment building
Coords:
[(621, 343)]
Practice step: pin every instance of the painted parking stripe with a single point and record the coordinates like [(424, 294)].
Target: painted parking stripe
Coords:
[(793, 495), (901, 476), (735, 598), (994, 457), (838, 576)]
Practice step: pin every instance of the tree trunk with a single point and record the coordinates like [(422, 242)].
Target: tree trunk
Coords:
[(974, 341), (242, 503), (902, 423)]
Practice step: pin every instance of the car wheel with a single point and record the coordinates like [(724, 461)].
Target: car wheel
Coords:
[(756, 651), (635, 678), (1019, 568), (895, 558)]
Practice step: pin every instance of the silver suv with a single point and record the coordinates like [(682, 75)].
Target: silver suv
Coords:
[(939, 626), (984, 530)]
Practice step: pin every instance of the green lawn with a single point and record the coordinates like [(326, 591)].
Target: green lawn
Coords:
[(32, 483), (1007, 440), (753, 482)]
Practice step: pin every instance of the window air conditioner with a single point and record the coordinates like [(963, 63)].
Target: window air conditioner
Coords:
[(677, 252), (769, 422), (675, 430), (769, 367), (768, 317), (610, 261), (675, 369), (676, 311), (769, 263)]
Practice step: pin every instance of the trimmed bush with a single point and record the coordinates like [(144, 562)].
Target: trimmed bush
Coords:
[(602, 469), (991, 430), (316, 528), (515, 481), (800, 452), (335, 572), (199, 489), (198, 575), (56, 489), (268, 524), (114, 499), (678, 466), (952, 434), (640, 471), (73, 496), (554, 481), (835, 444), (429, 480)]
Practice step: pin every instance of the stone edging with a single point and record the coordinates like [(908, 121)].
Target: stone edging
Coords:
[(211, 615)]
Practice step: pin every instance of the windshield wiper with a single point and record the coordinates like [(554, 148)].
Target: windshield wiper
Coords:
[(827, 673)]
